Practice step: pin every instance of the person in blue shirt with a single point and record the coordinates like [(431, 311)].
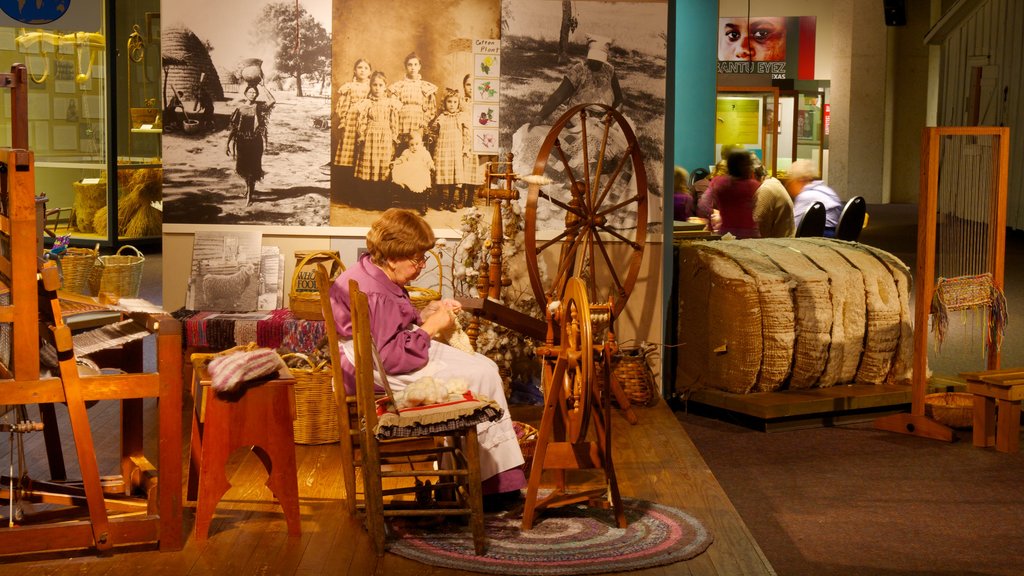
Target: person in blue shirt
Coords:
[(805, 188)]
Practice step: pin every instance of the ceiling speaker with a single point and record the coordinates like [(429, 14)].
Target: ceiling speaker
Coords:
[(895, 12)]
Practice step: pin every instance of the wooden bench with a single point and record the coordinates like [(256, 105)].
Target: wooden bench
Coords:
[(997, 397)]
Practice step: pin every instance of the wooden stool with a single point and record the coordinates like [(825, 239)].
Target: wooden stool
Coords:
[(997, 397), (259, 416)]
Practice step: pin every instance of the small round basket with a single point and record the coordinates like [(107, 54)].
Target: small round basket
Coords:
[(527, 436), (419, 296), (954, 409)]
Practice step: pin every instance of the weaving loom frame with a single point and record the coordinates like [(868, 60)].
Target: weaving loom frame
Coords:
[(916, 423)]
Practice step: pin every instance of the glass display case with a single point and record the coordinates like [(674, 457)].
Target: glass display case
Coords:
[(100, 173)]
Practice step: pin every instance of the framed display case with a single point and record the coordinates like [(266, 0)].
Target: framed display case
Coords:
[(97, 171), (748, 116)]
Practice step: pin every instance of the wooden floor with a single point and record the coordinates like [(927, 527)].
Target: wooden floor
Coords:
[(655, 460)]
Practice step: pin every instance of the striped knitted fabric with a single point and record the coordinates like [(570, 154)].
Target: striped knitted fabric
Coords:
[(227, 372)]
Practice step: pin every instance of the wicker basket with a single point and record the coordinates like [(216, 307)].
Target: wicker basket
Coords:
[(316, 412), (954, 409), (76, 268), (634, 375), (304, 300), (118, 275), (527, 436), (419, 296)]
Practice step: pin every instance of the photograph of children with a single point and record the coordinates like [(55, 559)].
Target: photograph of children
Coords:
[(400, 120), (246, 135), (759, 39), (612, 53)]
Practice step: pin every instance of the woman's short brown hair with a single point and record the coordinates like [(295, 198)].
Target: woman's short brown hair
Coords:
[(398, 234)]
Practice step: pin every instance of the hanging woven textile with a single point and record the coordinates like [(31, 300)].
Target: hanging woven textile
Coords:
[(967, 293)]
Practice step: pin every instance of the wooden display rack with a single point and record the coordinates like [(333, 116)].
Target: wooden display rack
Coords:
[(141, 512)]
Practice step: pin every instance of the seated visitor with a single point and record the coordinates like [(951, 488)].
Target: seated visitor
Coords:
[(395, 256), (733, 197), (773, 208), (682, 199), (806, 189)]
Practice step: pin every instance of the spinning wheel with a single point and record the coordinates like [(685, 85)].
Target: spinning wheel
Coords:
[(601, 203), (575, 430)]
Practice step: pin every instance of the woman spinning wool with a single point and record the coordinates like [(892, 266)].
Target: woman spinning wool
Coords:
[(395, 256)]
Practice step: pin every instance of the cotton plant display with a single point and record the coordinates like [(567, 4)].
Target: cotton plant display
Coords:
[(511, 351)]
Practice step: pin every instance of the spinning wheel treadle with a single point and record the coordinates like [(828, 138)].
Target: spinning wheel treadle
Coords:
[(598, 192)]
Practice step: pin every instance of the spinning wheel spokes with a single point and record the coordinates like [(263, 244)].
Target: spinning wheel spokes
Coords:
[(578, 356), (595, 210)]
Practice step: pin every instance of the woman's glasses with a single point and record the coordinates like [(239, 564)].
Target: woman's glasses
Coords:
[(419, 261)]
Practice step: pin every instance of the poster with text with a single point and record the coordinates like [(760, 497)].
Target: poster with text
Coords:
[(779, 46)]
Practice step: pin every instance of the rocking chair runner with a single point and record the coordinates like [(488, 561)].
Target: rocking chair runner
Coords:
[(380, 435)]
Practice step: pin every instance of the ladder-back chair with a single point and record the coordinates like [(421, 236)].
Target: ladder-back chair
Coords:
[(438, 478)]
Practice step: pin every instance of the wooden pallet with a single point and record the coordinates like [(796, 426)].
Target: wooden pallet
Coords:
[(809, 408)]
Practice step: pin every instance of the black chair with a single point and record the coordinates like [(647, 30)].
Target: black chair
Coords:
[(851, 220), (812, 224), (697, 175)]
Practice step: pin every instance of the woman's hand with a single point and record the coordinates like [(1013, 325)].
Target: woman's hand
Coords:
[(436, 322), (440, 305)]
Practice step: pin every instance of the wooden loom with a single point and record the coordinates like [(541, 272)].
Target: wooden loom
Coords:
[(961, 236), (594, 150), (132, 507)]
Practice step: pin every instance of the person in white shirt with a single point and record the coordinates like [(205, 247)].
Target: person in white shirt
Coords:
[(804, 187)]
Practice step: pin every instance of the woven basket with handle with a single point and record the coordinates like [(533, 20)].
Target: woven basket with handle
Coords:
[(634, 374), (316, 415), (303, 299), (76, 268), (118, 275), (420, 296), (954, 409)]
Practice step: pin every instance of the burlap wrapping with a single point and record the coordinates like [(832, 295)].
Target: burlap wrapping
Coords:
[(719, 323), (882, 312), (846, 291), (766, 314), (903, 363), (775, 297), (813, 313)]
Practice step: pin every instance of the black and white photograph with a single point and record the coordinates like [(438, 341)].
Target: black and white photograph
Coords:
[(246, 90), (402, 106), (557, 54), (225, 273)]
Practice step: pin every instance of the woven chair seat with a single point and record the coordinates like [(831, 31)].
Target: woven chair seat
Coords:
[(437, 419)]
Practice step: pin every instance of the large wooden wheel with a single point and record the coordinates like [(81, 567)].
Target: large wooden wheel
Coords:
[(594, 209)]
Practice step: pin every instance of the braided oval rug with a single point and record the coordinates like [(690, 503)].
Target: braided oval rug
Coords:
[(566, 540)]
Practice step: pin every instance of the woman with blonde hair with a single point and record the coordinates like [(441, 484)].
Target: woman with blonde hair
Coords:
[(396, 246)]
